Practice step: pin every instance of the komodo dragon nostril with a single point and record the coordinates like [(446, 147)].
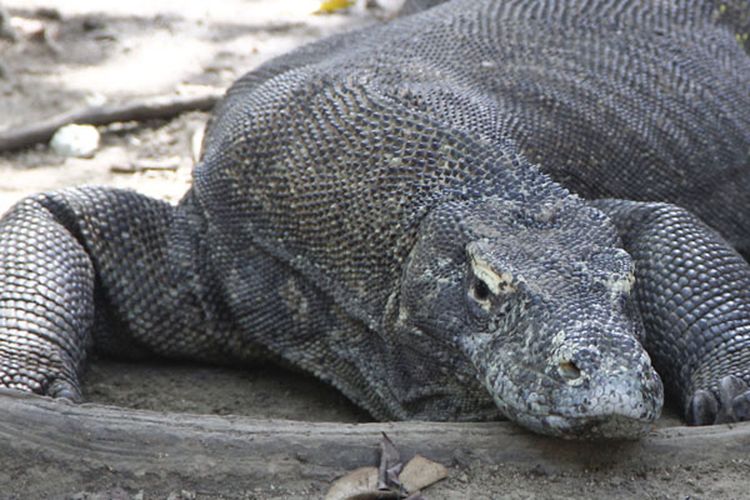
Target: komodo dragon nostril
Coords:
[(568, 370)]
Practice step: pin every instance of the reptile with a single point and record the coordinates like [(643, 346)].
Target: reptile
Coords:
[(528, 209)]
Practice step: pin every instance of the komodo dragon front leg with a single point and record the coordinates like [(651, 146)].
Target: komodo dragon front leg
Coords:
[(89, 266), (693, 292)]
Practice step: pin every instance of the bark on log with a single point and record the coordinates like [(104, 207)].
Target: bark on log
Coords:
[(85, 443)]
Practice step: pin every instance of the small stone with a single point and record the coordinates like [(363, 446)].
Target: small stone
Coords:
[(76, 140), (30, 28)]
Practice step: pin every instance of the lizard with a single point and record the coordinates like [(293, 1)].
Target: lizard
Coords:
[(528, 209)]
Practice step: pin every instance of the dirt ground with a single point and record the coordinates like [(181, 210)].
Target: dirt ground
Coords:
[(68, 54)]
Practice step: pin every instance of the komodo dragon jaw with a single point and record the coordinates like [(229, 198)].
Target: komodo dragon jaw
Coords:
[(547, 320)]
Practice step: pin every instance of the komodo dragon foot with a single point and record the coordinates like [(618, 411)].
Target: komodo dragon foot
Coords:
[(693, 291), (731, 403)]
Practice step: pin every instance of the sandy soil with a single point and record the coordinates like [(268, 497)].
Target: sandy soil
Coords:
[(73, 53)]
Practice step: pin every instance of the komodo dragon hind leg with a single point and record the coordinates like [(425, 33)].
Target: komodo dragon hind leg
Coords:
[(69, 259), (693, 291)]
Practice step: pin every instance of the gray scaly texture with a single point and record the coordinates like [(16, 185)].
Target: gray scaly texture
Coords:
[(402, 211)]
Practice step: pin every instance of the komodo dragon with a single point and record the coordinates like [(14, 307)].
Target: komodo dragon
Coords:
[(486, 205)]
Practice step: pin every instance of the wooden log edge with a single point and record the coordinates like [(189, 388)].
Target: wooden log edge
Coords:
[(83, 437)]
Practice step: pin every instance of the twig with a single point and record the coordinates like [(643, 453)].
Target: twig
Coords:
[(169, 164), (159, 107)]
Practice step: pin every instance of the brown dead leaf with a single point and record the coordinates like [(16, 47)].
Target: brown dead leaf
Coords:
[(420, 473), (360, 484)]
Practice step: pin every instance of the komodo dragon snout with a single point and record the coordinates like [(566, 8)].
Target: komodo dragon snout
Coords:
[(538, 301)]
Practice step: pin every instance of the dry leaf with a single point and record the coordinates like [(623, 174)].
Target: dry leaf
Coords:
[(420, 473), (356, 484), (328, 6)]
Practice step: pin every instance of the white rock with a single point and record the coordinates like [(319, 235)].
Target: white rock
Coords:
[(390, 6), (76, 140)]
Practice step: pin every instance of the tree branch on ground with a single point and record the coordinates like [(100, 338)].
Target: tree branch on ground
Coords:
[(138, 110)]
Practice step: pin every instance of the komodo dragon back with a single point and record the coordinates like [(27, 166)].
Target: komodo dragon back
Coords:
[(402, 211)]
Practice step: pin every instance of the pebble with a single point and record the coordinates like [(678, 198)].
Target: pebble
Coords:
[(76, 140)]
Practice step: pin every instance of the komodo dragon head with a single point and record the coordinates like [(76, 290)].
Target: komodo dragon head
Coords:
[(538, 301)]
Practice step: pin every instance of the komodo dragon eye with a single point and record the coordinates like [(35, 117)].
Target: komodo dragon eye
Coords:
[(481, 290), (486, 285)]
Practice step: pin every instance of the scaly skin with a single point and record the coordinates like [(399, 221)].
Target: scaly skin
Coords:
[(490, 207)]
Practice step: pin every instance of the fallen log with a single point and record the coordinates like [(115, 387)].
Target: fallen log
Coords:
[(101, 445)]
